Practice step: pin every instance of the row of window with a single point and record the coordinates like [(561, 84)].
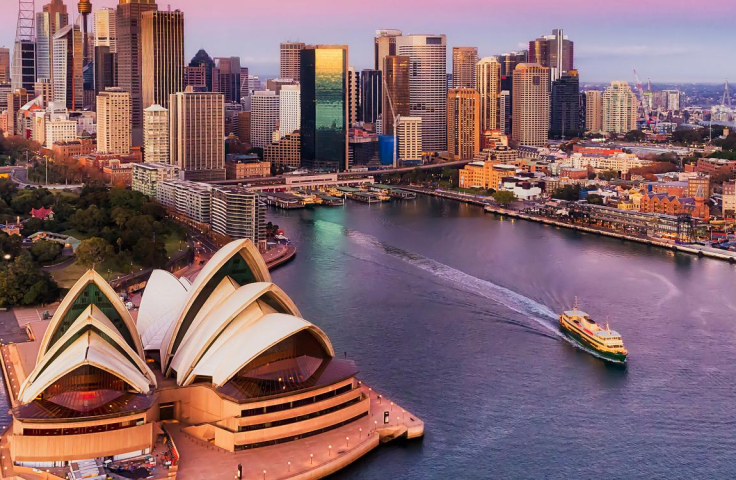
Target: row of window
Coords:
[(297, 403), (297, 437), (300, 418), (45, 432)]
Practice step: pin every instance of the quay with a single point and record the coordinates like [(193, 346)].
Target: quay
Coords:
[(488, 207)]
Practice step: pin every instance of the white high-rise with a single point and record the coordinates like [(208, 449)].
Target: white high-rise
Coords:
[(53, 18), (409, 133), (156, 134), (619, 108), (290, 117), (106, 29), (427, 85), (264, 115)]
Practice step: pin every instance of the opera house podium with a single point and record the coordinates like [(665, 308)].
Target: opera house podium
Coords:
[(226, 360)]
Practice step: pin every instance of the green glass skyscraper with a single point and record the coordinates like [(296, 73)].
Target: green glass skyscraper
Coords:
[(324, 107)]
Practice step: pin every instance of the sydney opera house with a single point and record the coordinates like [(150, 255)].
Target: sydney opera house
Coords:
[(227, 357)]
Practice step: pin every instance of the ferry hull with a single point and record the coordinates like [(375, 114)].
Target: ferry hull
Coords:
[(619, 358)]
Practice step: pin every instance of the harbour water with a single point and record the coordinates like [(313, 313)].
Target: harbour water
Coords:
[(453, 313)]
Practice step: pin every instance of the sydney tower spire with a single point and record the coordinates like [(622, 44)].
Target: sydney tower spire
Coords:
[(85, 8)]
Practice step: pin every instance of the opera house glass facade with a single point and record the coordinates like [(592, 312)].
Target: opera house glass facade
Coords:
[(324, 104)]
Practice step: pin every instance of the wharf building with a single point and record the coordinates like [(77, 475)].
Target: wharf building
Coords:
[(228, 357)]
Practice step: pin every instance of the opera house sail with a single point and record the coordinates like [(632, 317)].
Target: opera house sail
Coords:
[(228, 357)]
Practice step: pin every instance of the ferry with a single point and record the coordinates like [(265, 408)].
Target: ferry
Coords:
[(605, 342)]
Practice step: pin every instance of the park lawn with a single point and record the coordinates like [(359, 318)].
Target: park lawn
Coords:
[(68, 276), (174, 245)]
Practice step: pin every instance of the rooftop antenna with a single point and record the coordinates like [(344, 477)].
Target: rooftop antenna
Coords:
[(726, 101)]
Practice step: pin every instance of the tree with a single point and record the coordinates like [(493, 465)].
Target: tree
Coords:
[(635, 136), (504, 197), (90, 220), (93, 251), (608, 175), (45, 252), (594, 198), (568, 192), (23, 283), (150, 253)]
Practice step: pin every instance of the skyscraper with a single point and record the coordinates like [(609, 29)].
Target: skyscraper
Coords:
[(202, 59), (106, 29), (197, 134), (156, 134), (264, 111), (113, 121), (162, 56), (619, 108), (226, 78), (428, 86), (397, 91), (384, 44), (488, 84), (463, 66), (530, 118), (371, 92), (4, 65), (554, 51), (106, 68), (463, 123), (594, 111), (68, 82), (244, 92), (130, 53), (353, 96), (53, 18), (289, 109), (504, 112), (509, 61), (324, 107), (289, 60), (565, 105), (23, 67), (84, 7)]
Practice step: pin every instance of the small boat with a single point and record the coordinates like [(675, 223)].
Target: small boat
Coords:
[(606, 343)]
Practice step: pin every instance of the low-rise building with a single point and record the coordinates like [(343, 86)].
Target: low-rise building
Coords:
[(73, 148), (620, 162), (191, 201), (484, 174), (239, 166), (285, 153), (118, 174)]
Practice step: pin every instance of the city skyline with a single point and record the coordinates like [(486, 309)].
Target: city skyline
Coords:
[(630, 38)]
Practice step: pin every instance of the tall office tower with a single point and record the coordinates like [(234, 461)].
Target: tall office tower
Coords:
[(324, 107), (583, 111), (463, 67), (195, 77), (113, 121), (197, 134), (84, 7), (530, 117), (16, 100), (43, 88), (68, 81), (53, 18), (289, 109), (106, 29), (409, 136), (353, 96), (264, 111), (23, 67), (565, 106), (106, 68), (397, 91), (226, 78), (289, 60), (488, 84), (4, 65), (504, 112), (162, 56), (384, 44), (156, 134), (554, 51), (509, 61), (463, 123), (594, 111), (244, 82), (619, 108), (672, 100), (371, 92), (202, 59), (130, 54), (428, 85)]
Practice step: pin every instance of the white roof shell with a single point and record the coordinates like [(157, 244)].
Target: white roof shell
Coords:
[(161, 304)]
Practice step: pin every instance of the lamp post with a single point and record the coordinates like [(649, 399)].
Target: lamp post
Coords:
[(289, 465), (311, 458), (347, 441), (329, 450), (264, 475)]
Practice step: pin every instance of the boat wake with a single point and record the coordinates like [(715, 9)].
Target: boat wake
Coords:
[(531, 309)]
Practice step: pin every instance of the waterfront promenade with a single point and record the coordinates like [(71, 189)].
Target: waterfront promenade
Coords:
[(492, 207)]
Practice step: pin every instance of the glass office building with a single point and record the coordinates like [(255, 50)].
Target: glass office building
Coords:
[(324, 104)]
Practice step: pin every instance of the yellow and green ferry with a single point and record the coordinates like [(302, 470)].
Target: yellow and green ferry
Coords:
[(606, 343)]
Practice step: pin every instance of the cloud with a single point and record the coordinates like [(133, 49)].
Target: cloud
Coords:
[(627, 51)]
